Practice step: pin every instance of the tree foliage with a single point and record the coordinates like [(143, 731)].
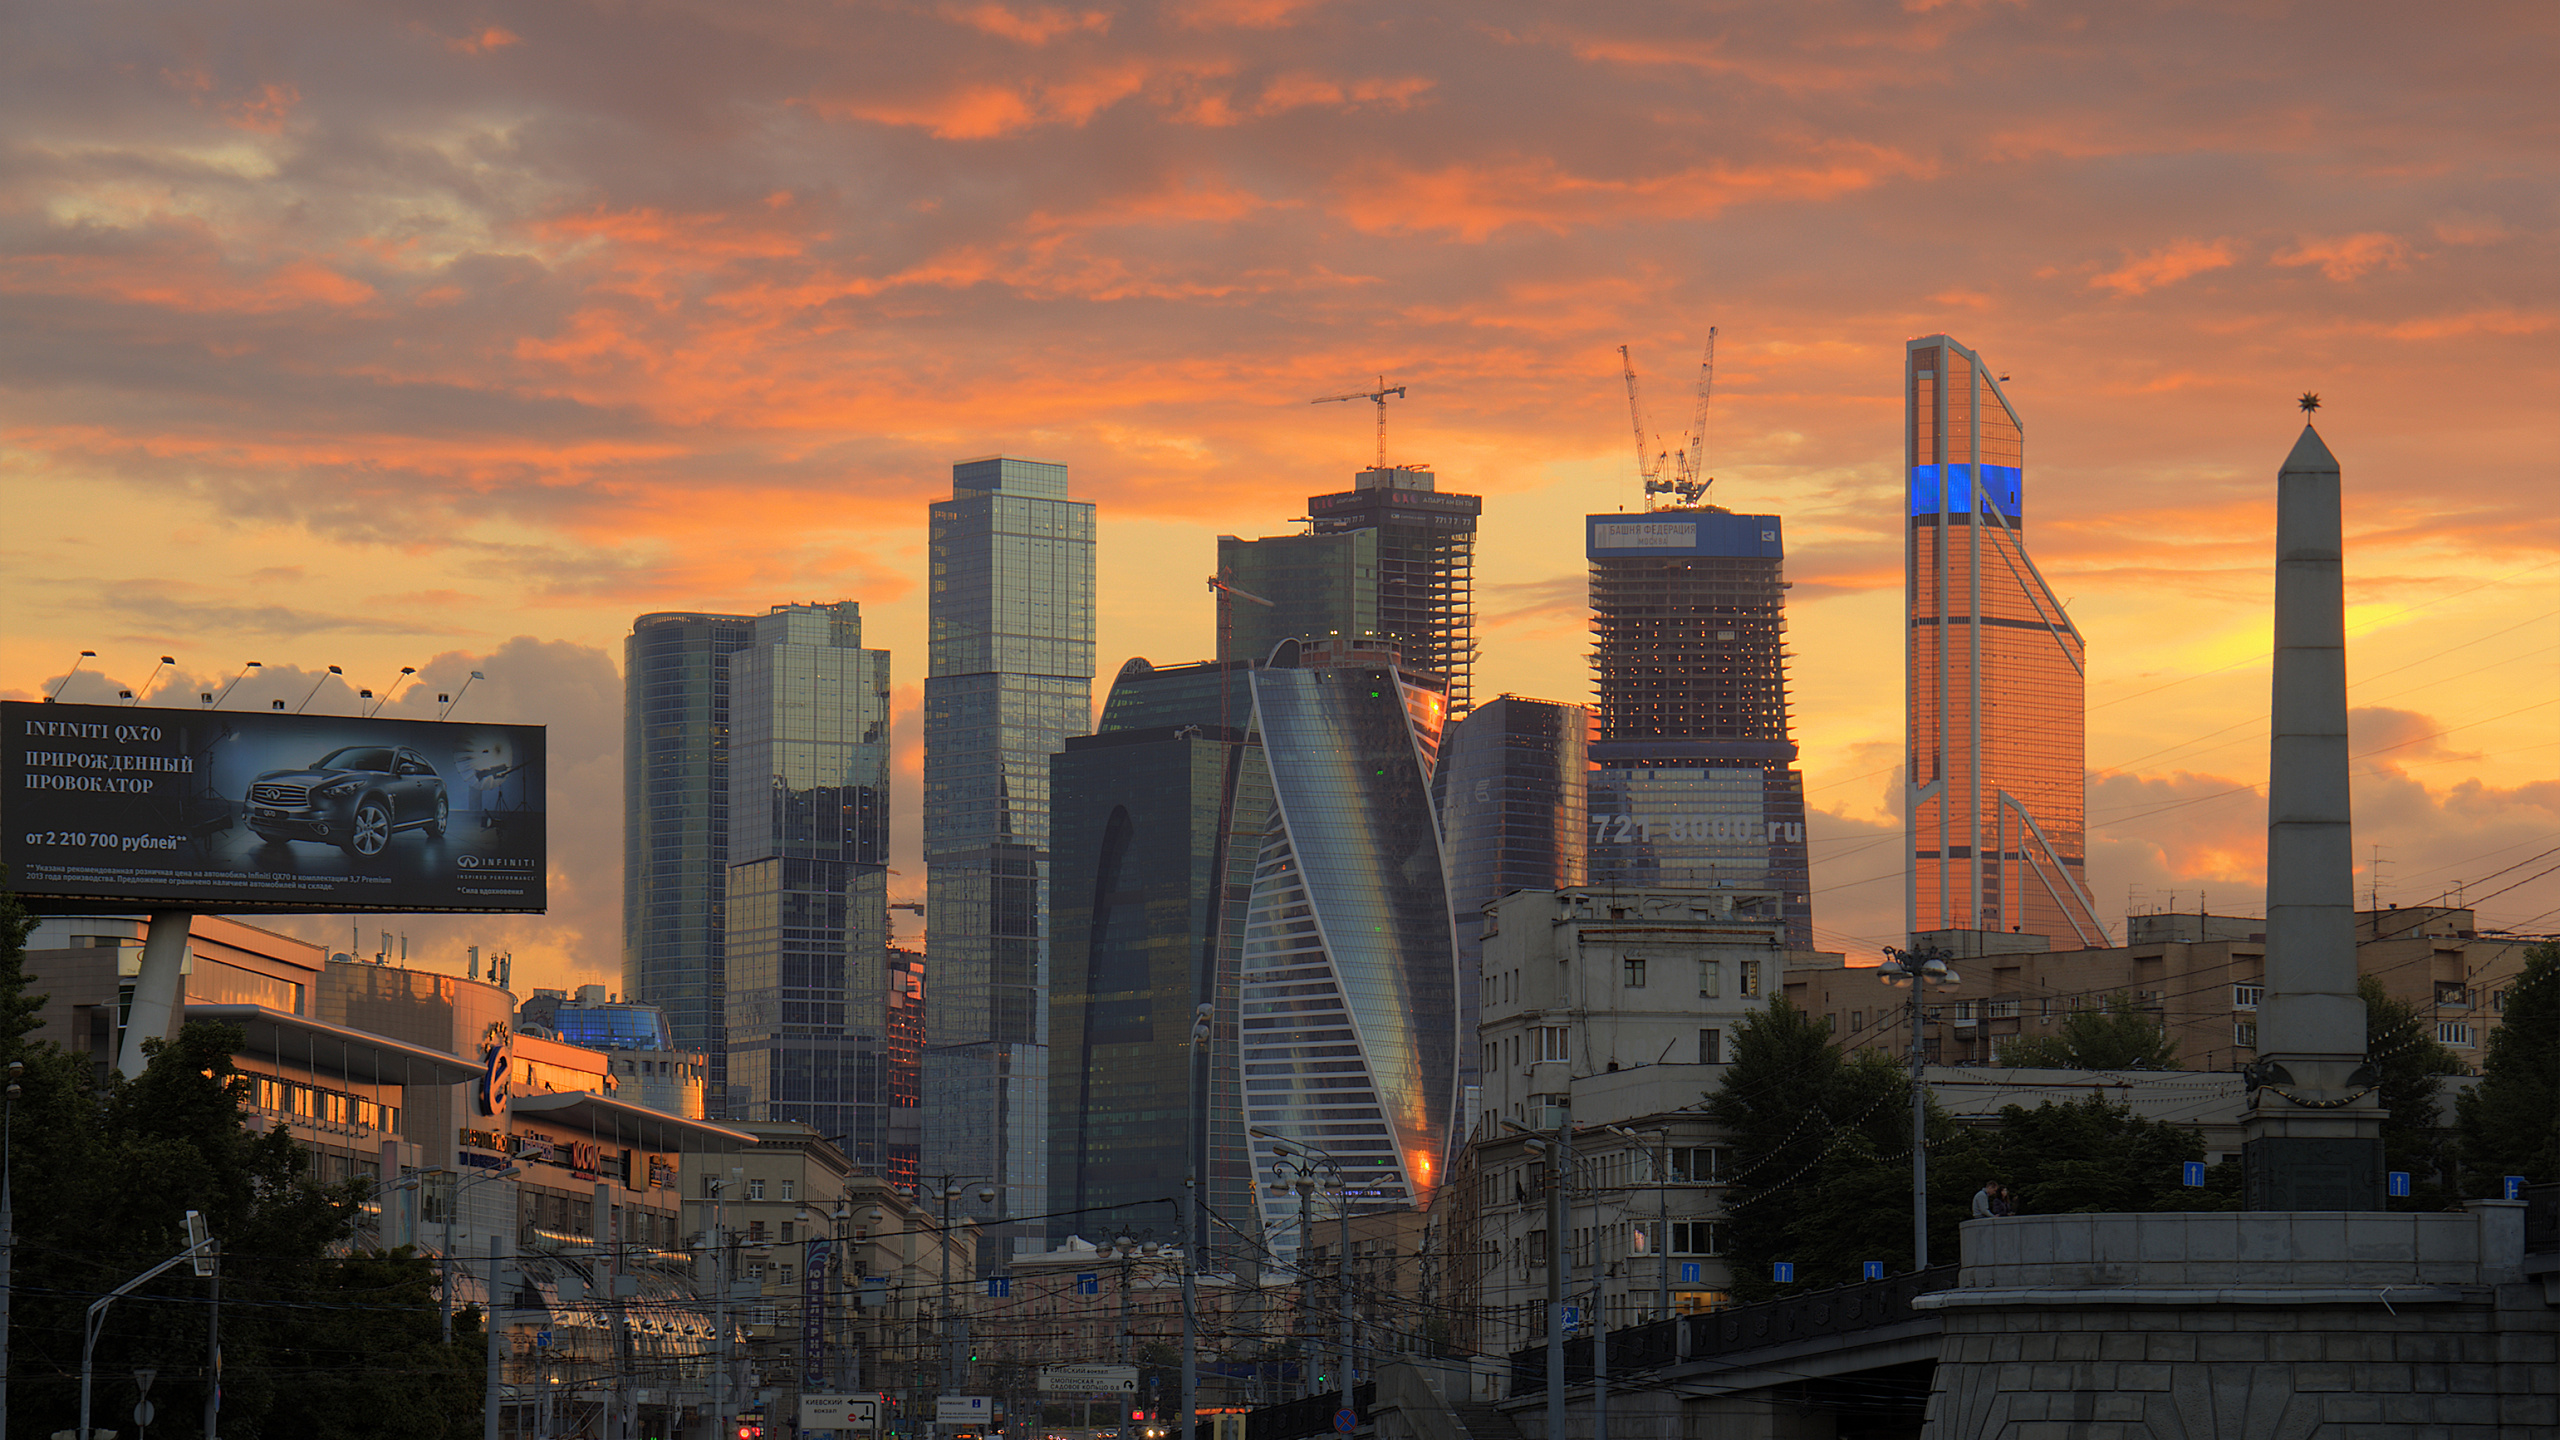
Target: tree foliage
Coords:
[(2116, 1036), (2413, 1067), (2509, 1123), (1821, 1155), (315, 1342), (2091, 1156)]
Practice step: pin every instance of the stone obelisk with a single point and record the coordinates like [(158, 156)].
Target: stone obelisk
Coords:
[(2312, 1137)]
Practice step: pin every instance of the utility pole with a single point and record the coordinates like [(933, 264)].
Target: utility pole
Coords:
[(496, 1333), (1559, 1150), (1918, 970)]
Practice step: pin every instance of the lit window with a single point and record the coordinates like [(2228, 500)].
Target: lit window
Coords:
[(1750, 977)]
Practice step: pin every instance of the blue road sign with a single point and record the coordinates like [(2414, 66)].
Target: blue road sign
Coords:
[(1088, 1283), (1783, 1271), (999, 1287), (1572, 1319), (2515, 1187), (1691, 1272), (2399, 1182), (1875, 1269), (2192, 1173), (1346, 1421), (542, 1337)]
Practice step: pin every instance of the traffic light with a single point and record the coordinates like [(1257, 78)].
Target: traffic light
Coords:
[(750, 1431)]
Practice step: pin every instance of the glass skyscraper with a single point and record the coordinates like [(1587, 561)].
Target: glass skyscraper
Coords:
[(1694, 778), (1010, 677), (675, 826), (1514, 787), (1994, 679), (808, 975), (1393, 556), (1349, 972), (1159, 817)]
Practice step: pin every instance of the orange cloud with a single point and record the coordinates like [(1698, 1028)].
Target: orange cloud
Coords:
[(266, 112), (2348, 256), (2167, 265), (1036, 26), (1476, 201), (490, 38)]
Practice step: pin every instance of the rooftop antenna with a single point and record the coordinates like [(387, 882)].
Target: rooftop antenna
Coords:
[(67, 674), (235, 683), (315, 688), (1379, 397), (165, 662)]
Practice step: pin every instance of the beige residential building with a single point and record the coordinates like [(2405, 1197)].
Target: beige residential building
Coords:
[(2199, 974)]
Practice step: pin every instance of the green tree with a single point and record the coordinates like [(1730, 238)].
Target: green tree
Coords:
[(2509, 1124), (2116, 1036), (20, 1012), (2091, 1156), (2413, 1067), (1821, 1156)]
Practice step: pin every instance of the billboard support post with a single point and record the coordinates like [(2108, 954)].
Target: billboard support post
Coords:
[(155, 992)]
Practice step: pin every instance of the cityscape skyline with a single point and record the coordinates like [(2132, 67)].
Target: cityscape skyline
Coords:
[(307, 404)]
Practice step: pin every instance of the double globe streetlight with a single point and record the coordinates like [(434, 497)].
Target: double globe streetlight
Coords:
[(1917, 970)]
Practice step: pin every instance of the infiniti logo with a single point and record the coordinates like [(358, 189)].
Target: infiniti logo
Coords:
[(467, 862)]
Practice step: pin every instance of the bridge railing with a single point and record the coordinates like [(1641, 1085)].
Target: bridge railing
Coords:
[(1842, 1309)]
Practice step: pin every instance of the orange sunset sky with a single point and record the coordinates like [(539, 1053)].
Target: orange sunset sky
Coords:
[(457, 335)]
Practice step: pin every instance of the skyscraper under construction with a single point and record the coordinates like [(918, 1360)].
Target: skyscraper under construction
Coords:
[(1994, 679), (1694, 778), (1393, 556)]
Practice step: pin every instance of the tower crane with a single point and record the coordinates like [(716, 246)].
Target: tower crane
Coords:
[(1222, 585), (1678, 473), (1379, 398)]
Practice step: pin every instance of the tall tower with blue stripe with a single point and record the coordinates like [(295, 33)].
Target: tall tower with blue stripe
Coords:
[(1995, 687)]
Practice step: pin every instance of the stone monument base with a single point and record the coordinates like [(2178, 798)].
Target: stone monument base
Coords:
[(2303, 1325)]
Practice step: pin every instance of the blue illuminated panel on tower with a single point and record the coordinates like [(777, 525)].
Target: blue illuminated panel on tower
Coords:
[(2003, 489)]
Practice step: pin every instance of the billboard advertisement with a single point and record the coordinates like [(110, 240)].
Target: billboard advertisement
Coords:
[(259, 811)]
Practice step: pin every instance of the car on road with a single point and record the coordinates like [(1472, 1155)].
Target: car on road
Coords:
[(355, 797)]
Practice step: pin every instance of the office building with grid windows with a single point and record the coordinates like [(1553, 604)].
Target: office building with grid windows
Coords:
[(1995, 686), (675, 827), (1349, 972), (1514, 795), (1158, 818), (1694, 779), (1009, 678), (809, 980)]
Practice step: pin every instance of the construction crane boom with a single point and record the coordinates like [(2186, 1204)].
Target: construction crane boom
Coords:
[(1377, 396), (1687, 479), (1225, 589)]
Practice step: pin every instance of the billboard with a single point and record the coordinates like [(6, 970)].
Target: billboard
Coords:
[(259, 811)]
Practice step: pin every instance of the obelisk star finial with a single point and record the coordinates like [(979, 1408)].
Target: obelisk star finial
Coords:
[(2309, 402)]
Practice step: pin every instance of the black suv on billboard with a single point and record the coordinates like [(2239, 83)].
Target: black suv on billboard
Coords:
[(356, 797)]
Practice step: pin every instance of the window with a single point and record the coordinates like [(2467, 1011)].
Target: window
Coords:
[(755, 1271), (1710, 979), (1635, 972), (755, 1189), (2453, 994), (710, 1186), (782, 1273), (2456, 1033), (1697, 1237), (2000, 1009), (1711, 1047), (787, 1187), (2245, 1033), (1698, 1164), (786, 1230), (1750, 978), (1552, 1041), (1538, 1248), (2246, 997), (1857, 1022), (755, 1232)]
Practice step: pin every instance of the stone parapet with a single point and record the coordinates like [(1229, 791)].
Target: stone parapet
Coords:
[(2223, 1250)]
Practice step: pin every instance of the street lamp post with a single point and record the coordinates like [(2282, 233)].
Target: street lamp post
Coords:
[(1918, 970), (1342, 1191), (1662, 1215), (951, 1340), (444, 1256)]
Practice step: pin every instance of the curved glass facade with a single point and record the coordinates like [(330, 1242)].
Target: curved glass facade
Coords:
[(675, 825), (1349, 976), (1994, 677)]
